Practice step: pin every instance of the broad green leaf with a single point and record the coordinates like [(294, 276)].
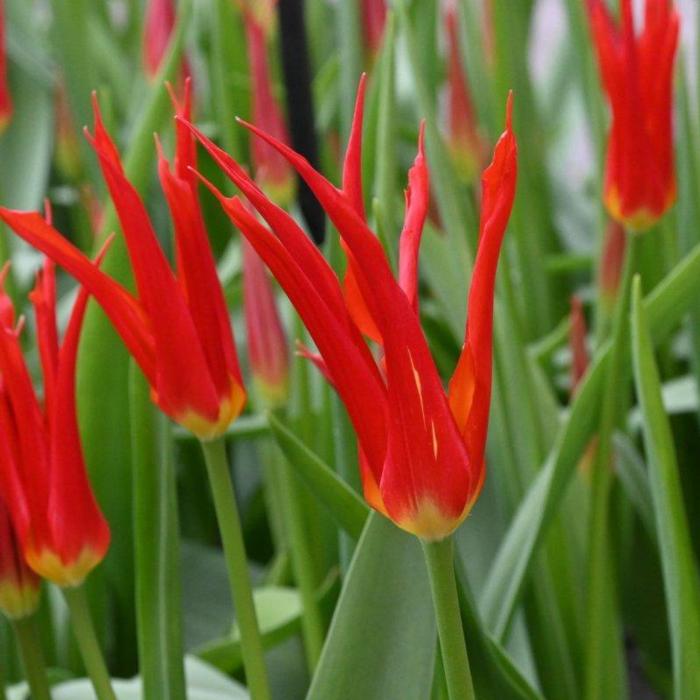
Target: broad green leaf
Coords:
[(279, 612), (343, 504), (157, 547), (665, 307), (680, 571), (382, 638), (494, 673)]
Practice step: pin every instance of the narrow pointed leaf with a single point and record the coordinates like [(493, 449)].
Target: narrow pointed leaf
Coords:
[(679, 566)]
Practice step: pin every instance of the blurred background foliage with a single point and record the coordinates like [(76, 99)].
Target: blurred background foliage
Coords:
[(524, 564)]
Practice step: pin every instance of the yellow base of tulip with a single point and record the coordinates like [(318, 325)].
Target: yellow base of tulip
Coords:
[(66, 575), (229, 410), (18, 600)]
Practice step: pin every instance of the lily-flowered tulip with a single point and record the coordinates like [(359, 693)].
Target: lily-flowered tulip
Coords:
[(637, 74), (176, 327), (268, 351), (5, 97), (19, 585), (61, 530), (422, 449), (463, 140), (272, 171)]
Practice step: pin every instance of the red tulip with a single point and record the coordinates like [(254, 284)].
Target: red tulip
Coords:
[(19, 585), (577, 343), (271, 170), (463, 137), (637, 73), (373, 23), (5, 97), (61, 530), (268, 351), (157, 31), (177, 327), (422, 449), (612, 260)]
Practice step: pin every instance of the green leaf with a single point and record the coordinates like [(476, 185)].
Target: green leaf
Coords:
[(494, 673), (382, 637), (279, 612), (26, 144), (157, 546), (343, 504), (665, 308), (203, 683), (681, 580)]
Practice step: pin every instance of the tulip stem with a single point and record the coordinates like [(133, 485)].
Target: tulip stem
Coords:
[(237, 566), (439, 558), (32, 657), (84, 631)]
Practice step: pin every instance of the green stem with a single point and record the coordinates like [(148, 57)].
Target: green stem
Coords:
[(237, 566), (84, 631), (439, 558), (32, 657), (604, 664)]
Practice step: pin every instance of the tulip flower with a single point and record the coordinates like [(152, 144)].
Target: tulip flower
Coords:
[(373, 22), (268, 351), (19, 585), (463, 140), (5, 97), (637, 74), (577, 343), (61, 530), (422, 449), (158, 28), (177, 327), (272, 171)]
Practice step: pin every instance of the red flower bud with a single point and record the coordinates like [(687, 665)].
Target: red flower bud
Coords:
[(61, 530), (637, 74), (268, 351)]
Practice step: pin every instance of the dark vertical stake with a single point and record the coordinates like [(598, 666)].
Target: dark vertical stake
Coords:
[(300, 109)]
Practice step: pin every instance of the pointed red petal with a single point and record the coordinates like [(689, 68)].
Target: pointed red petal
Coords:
[(349, 364), (124, 311), (352, 166), (470, 386), (198, 274), (352, 187), (183, 381), (43, 298), (417, 203), (80, 532), (286, 229)]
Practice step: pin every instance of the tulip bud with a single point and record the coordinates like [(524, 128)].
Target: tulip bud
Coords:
[(268, 350)]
